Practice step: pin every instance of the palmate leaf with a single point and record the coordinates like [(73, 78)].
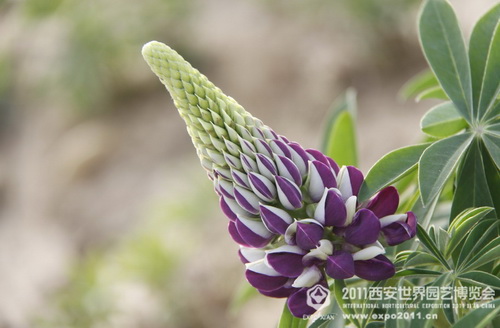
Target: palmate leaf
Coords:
[(462, 224), (480, 317), (390, 168), (445, 50), (488, 253), (491, 139), (431, 246), (438, 162), (484, 53), (442, 120), (480, 278), (422, 312), (479, 236), (472, 186)]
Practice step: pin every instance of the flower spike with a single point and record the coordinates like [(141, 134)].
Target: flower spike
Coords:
[(293, 211)]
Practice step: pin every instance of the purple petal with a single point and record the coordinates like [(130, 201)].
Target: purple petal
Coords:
[(281, 292), (308, 235), (227, 210), (225, 188), (266, 166), (262, 187), (333, 165), (288, 169), (316, 155), (224, 173), (286, 260), (253, 232), (284, 139), (288, 193), (378, 268), (263, 148), (232, 207), (263, 278), (247, 147), (399, 232), (240, 178), (306, 301), (233, 161), (364, 228), (320, 177), (340, 265), (247, 200), (233, 232), (385, 202), (275, 219), (299, 157), (331, 210), (249, 165), (356, 178), (257, 133), (280, 148)]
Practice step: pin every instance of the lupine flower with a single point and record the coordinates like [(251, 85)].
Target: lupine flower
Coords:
[(293, 211)]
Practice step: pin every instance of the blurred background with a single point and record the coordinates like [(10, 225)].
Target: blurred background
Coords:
[(106, 217)]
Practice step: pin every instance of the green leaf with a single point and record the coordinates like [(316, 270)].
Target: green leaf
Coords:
[(480, 317), (421, 258), (340, 137), (415, 272), (438, 162), (423, 312), (462, 224), (484, 53), (431, 246), (432, 93), (492, 144), (445, 51), (480, 278), (420, 82), (442, 121), (480, 234), (287, 320), (391, 168), (472, 186), (493, 174), (490, 252), (338, 285)]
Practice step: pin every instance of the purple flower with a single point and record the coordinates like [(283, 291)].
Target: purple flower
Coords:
[(399, 228), (293, 211)]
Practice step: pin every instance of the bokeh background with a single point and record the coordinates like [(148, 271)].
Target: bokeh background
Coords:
[(106, 217)]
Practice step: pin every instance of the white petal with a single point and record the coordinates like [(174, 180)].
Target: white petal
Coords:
[(256, 226), (286, 249), (386, 220), (344, 183), (316, 186), (262, 268), (308, 278), (290, 232), (319, 213), (252, 254), (350, 205), (368, 253)]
